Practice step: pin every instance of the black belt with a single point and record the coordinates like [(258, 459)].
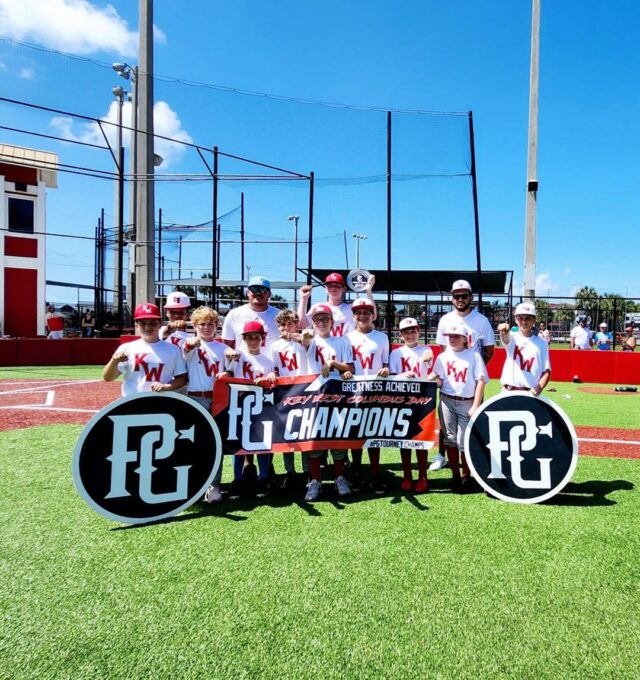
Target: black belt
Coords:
[(208, 393), (513, 388), (452, 396)]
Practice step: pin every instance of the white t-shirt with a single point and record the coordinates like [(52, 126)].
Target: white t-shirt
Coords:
[(480, 334), (370, 351), (289, 357), (204, 363), (176, 338), (343, 322), (527, 359), (322, 350), (460, 372), (581, 336), (252, 366), (148, 363), (404, 359), (236, 319)]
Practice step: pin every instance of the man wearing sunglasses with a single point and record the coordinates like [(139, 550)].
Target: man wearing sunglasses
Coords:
[(257, 309), (480, 336)]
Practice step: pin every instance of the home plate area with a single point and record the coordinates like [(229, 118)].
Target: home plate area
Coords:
[(29, 403)]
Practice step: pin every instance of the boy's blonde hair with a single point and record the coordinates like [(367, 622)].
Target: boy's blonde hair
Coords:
[(285, 316), (203, 314)]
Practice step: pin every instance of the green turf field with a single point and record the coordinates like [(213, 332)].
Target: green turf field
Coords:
[(440, 585)]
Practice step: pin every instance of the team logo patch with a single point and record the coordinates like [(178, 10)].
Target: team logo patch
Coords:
[(521, 448), (146, 457)]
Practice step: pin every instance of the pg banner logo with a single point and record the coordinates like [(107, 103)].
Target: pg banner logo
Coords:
[(521, 448), (146, 457)]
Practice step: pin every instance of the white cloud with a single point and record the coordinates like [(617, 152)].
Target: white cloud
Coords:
[(544, 284), (26, 73), (165, 120), (71, 25)]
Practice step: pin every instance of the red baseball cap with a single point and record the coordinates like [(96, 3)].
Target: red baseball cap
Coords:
[(335, 278), (321, 309), (253, 327), (146, 310)]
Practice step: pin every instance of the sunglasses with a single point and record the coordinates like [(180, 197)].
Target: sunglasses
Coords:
[(258, 290), (460, 296)]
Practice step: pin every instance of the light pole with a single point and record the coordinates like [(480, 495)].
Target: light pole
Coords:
[(130, 73), (295, 219), (358, 237), (119, 94)]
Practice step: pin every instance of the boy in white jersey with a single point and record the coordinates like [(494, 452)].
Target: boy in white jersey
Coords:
[(204, 356), (327, 355), (412, 360), (253, 365), (461, 376), (147, 364), (336, 288), (290, 359), (527, 366), (176, 309), (370, 351)]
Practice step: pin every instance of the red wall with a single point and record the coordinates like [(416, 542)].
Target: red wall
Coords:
[(67, 352), (20, 301)]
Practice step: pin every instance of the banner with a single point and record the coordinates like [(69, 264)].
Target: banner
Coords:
[(315, 413)]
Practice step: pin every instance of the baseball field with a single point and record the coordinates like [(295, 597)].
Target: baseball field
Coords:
[(440, 585)]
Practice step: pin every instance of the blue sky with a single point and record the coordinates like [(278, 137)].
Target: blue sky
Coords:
[(454, 56)]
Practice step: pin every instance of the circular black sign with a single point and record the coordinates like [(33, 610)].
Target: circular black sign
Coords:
[(521, 448), (146, 457)]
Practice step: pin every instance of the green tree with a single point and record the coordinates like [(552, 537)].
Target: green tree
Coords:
[(587, 301)]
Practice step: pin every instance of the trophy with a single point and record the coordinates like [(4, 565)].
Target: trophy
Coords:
[(357, 279)]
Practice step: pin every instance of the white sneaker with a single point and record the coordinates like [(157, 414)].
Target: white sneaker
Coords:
[(314, 490), (342, 486), (213, 495), (438, 462)]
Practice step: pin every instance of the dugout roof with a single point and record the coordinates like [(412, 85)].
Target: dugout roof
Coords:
[(437, 281)]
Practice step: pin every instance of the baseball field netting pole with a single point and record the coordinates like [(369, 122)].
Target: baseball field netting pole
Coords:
[(389, 305)]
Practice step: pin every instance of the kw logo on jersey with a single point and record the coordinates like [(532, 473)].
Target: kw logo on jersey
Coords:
[(337, 330), (458, 376), (320, 358), (248, 371), (175, 340), (151, 373), (365, 362), (525, 364), (288, 361), (406, 366), (211, 368)]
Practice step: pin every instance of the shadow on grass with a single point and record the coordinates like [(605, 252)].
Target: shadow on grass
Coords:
[(592, 493)]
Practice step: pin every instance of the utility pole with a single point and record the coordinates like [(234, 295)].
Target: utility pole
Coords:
[(295, 219), (532, 160), (145, 232)]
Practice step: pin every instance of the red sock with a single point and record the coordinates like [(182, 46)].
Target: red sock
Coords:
[(338, 467), (465, 466), (454, 460), (405, 455), (422, 464), (374, 460), (314, 464)]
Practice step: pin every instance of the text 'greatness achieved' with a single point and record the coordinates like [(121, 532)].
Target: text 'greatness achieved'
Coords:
[(312, 413)]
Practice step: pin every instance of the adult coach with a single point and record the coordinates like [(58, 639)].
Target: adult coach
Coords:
[(580, 336), (480, 337), (257, 309)]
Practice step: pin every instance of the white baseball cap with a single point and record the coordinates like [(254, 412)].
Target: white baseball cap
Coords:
[(362, 303), (320, 308), (526, 308), (461, 284), (409, 322), (455, 328), (603, 325), (177, 300)]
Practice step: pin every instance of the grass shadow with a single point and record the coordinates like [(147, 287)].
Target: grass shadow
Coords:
[(591, 493)]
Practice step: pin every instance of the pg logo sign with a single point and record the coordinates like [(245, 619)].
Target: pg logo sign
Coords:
[(521, 448), (146, 457)]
